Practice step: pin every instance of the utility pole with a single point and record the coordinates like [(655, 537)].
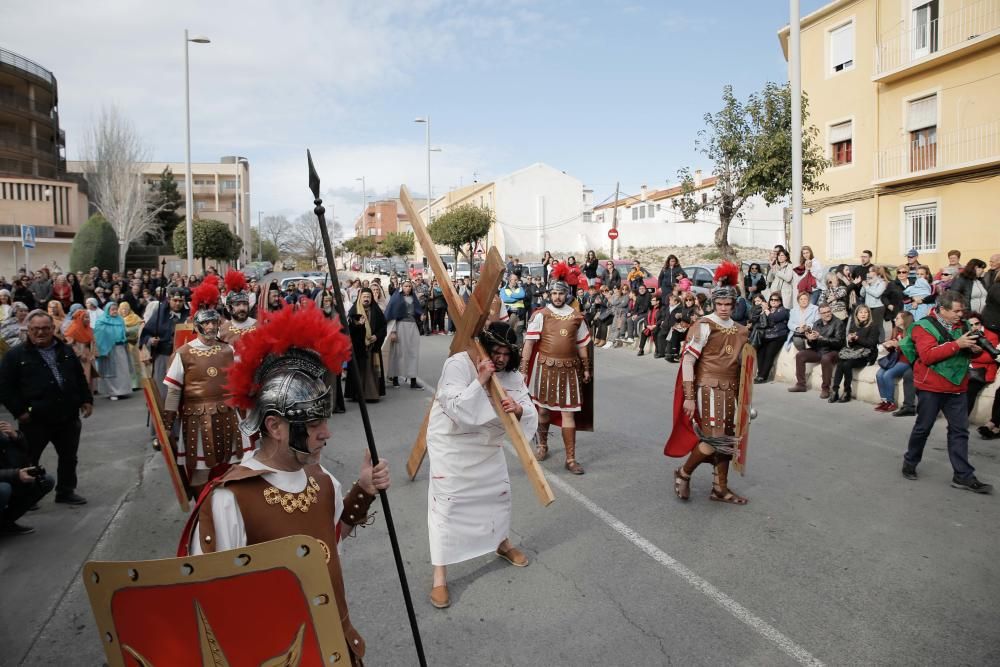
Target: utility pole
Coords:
[(260, 236), (795, 65), (614, 218)]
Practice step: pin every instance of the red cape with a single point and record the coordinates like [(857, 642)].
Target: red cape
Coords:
[(682, 438)]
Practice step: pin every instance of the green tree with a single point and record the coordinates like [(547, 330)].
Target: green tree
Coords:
[(164, 200), (361, 246), (212, 240), (397, 243), (461, 227), (750, 146), (95, 244), (267, 250)]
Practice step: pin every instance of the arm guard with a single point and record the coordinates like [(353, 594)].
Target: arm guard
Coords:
[(356, 504)]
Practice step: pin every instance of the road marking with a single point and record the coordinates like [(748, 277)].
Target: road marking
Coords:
[(741, 613)]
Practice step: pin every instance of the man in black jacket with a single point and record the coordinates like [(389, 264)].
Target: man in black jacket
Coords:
[(43, 386), (158, 334), (21, 484), (823, 341)]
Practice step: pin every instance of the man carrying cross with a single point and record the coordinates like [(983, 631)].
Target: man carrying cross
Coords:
[(468, 499), (556, 368)]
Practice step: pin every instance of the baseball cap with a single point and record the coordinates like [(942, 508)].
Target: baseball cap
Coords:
[(912, 252)]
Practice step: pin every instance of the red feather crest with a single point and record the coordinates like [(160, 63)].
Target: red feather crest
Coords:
[(560, 270), (304, 327), (205, 295), (210, 279), (573, 277), (582, 282), (235, 281), (727, 273)]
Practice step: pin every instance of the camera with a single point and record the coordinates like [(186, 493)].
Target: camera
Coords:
[(38, 472), (984, 342)]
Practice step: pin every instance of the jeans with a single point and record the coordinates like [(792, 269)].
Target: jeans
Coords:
[(631, 327), (814, 297), (17, 498), (953, 406), (65, 437), (886, 381)]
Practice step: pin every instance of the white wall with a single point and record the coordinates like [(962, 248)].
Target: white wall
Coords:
[(538, 208)]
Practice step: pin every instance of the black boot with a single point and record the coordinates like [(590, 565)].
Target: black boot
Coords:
[(846, 398), (414, 384), (395, 382), (834, 396)]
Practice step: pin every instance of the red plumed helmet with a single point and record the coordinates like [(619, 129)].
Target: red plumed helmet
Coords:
[(304, 328), (560, 270), (727, 273), (235, 281), (211, 279), (205, 295)]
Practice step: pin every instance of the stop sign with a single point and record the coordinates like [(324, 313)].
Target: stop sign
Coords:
[(612, 233)]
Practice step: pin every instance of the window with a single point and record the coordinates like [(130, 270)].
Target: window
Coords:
[(587, 216), (842, 48), (372, 232), (650, 210), (200, 205), (600, 217), (924, 29), (921, 227), (841, 236), (642, 212), (841, 149), (229, 184), (635, 214), (921, 123), (704, 197)]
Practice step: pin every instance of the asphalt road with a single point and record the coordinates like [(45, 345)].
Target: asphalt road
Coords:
[(837, 559)]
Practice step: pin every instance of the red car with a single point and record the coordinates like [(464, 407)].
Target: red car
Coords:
[(624, 266)]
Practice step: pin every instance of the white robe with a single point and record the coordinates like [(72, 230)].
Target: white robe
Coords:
[(468, 499)]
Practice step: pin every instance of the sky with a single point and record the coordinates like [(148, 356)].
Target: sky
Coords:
[(605, 91)]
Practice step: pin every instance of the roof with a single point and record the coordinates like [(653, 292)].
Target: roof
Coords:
[(809, 19), (657, 195)]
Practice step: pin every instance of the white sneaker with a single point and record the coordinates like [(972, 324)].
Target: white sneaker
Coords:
[(608, 345)]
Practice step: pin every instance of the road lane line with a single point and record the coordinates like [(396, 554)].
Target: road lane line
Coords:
[(741, 613)]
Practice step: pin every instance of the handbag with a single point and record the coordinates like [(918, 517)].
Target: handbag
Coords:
[(889, 360), (978, 374), (808, 283), (850, 353)]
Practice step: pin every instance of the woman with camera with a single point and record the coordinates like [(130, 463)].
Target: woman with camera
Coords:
[(859, 351), (774, 336), (872, 289)]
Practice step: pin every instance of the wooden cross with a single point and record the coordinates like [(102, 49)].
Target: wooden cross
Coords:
[(469, 322)]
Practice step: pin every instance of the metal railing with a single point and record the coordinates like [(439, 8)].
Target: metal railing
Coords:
[(24, 103), (15, 139), (948, 150), (25, 65), (945, 32)]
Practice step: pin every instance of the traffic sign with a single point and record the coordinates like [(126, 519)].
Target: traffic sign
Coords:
[(28, 236), (612, 233)]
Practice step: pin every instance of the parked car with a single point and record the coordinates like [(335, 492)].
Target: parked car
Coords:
[(414, 269), (288, 265), (462, 270), (285, 282), (533, 269), (624, 266), (701, 276)]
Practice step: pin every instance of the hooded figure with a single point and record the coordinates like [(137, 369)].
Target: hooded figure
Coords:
[(113, 362), (368, 327)]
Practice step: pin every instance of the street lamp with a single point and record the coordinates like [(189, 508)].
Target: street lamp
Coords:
[(364, 205), (426, 120), (188, 186), (242, 229)]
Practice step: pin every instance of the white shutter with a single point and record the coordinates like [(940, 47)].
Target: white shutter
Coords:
[(921, 113), (841, 46), (840, 132), (841, 236)]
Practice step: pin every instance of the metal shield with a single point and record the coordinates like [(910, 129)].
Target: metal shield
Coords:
[(744, 404), (263, 605), (153, 403)]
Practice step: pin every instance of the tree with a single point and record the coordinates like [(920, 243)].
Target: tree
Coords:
[(266, 249), (461, 227), (306, 241), (361, 246), (95, 244), (750, 146), (212, 240), (165, 199), (112, 154), (278, 230), (397, 244)]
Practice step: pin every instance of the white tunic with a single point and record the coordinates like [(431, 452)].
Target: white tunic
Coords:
[(468, 499), (230, 530)]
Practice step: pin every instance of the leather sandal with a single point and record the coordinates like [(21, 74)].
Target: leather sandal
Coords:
[(682, 484), (514, 556), (440, 597), (727, 496)]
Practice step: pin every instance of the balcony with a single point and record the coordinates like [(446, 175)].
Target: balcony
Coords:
[(939, 153), (24, 142), (930, 43), (31, 108), (11, 59)]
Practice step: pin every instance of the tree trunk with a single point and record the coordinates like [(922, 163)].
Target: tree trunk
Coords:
[(722, 237)]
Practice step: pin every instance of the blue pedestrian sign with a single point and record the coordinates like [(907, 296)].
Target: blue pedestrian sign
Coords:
[(28, 236)]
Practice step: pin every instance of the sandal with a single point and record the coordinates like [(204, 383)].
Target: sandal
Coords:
[(682, 484), (541, 452), (727, 496)]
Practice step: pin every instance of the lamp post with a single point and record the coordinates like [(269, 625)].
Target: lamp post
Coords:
[(260, 236), (795, 65), (189, 197), (242, 228), (364, 206), (426, 120)]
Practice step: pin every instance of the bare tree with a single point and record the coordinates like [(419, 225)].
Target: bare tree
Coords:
[(278, 231), (306, 241), (113, 152)]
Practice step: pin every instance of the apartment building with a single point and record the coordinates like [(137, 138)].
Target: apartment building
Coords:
[(34, 187), (651, 219), (906, 96), (381, 218)]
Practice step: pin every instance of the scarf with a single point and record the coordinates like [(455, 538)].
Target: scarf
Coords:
[(79, 330), (128, 316), (109, 331)]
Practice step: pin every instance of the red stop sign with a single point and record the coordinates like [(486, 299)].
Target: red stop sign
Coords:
[(612, 233)]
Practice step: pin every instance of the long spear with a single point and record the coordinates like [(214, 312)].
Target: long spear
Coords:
[(355, 377)]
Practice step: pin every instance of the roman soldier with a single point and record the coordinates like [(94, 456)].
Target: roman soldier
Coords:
[(238, 305), (558, 365), (195, 381), (705, 408), (282, 381)]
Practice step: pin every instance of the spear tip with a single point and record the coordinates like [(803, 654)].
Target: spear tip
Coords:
[(313, 176)]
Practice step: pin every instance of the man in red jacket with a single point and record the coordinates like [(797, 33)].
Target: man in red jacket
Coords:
[(941, 349)]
